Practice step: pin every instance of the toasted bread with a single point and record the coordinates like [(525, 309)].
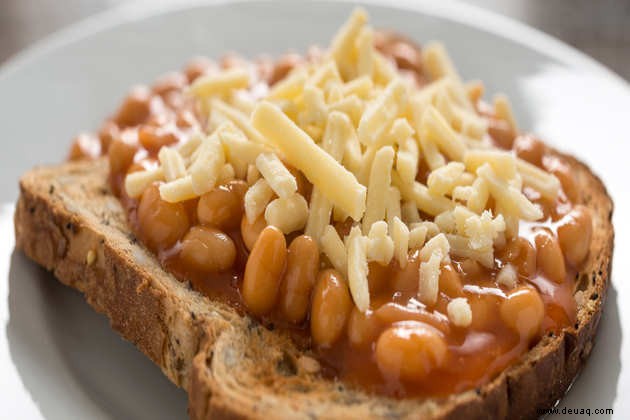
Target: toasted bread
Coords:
[(68, 221)]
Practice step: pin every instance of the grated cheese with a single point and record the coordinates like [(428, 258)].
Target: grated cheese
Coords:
[(334, 248), (252, 175), (358, 269), (380, 179), (226, 174), (221, 83), (380, 247), (417, 236), (137, 182), (361, 87), (365, 52), (379, 115), (351, 105), (287, 213), (359, 131), (239, 151), (335, 182), (441, 181), (459, 312), (437, 245), (172, 163), (343, 44), (460, 247), (420, 195), (507, 276), (179, 190), (256, 199), (407, 159), (392, 204), (435, 128), (510, 198), (428, 286), (315, 109), (281, 181), (239, 119), (503, 110), (543, 182), (290, 87), (400, 236), (204, 171), (410, 212)]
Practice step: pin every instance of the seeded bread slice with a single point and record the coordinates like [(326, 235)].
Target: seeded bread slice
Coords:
[(230, 365)]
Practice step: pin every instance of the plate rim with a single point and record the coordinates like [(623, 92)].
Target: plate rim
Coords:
[(475, 16), (472, 16)]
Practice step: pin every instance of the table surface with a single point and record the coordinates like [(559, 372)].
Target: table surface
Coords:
[(599, 28)]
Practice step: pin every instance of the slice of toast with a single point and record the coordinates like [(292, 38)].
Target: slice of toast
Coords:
[(68, 221)]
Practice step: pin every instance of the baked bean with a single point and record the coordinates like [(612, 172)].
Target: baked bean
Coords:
[(475, 91), (135, 167), (485, 310), (239, 187), (378, 276), (299, 279), (404, 51), (408, 58), (263, 271), (303, 186), (251, 231), (575, 231), (484, 109), (186, 119), (406, 279), (197, 67), (160, 118), (410, 351), (450, 281), (530, 149), (161, 223), (547, 206), (208, 250), (191, 210), (391, 312), (84, 146), (470, 268), (523, 311), (121, 155), (549, 258), (343, 228), (264, 66), (135, 109), (501, 132), (283, 66), (108, 132), (330, 308), (233, 60), (154, 138), (174, 100), (521, 254), (562, 171), (170, 82), (363, 328), (223, 206)]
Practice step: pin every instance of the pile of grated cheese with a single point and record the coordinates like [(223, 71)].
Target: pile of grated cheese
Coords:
[(358, 130)]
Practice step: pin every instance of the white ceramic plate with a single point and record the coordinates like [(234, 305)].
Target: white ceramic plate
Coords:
[(58, 359)]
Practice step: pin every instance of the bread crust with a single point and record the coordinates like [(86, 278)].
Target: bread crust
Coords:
[(230, 365)]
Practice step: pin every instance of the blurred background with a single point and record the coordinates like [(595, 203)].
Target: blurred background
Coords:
[(600, 28)]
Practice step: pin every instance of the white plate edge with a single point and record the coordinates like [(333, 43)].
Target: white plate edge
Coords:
[(468, 14)]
